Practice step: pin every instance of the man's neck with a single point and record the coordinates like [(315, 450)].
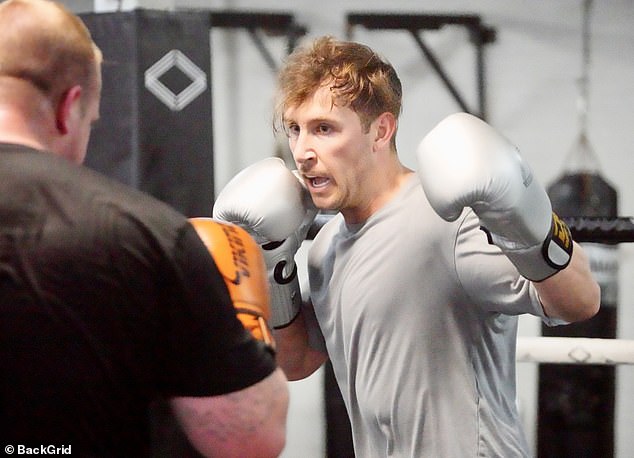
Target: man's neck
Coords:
[(389, 186)]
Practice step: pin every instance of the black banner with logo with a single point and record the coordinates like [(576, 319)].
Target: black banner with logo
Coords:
[(155, 131)]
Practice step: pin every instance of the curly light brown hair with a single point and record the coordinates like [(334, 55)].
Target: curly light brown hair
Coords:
[(357, 77)]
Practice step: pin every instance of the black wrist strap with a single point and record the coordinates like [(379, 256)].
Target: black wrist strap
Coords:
[(557, 248)]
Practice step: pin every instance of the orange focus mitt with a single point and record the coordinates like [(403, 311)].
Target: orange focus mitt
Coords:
[(241, 264)]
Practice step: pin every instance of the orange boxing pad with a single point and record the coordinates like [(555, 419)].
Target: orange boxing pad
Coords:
[(241, 264)]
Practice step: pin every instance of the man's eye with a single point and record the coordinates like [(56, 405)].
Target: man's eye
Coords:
[(292, 130), (324, 129)]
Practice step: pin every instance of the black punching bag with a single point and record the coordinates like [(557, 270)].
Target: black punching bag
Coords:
[(576, 402)]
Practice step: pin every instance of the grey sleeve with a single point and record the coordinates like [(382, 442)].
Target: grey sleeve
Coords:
[(489, 278)]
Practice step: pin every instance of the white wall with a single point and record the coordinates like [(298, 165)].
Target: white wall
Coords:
[(532, 69)]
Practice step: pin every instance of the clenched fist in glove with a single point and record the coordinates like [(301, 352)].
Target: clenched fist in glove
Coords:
[(241, 265), (274, 207), (464, 162)]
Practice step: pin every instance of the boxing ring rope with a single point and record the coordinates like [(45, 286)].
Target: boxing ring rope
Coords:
[(584, 229), (569, 350), (574, 350), (601, 230)]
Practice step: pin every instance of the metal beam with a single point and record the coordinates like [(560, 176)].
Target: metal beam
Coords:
[(259, 24), (480, 35)]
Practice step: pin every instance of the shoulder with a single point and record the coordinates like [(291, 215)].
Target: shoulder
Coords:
[(123, 199), (329, 225), (113, 212), (326, 226)]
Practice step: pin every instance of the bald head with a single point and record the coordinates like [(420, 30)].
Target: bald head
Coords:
[(44, 44), (50, 78)]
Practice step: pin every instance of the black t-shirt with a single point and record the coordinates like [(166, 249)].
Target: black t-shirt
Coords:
[(108, 300)]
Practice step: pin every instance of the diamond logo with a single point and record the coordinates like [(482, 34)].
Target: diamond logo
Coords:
[(579, 354), (175, 58)]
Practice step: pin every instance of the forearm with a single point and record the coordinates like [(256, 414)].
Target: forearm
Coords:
[(513, 209), (571, 294), (249, 422), (294, 355)]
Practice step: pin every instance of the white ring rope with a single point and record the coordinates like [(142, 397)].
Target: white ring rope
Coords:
[(574, 350)]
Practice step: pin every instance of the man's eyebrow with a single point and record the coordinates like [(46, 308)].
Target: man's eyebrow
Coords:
[(308, 121)]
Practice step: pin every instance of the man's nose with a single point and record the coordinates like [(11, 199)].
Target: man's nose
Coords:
[(304, 150)]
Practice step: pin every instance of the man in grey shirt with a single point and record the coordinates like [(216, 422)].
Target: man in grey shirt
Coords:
[(413, 303)]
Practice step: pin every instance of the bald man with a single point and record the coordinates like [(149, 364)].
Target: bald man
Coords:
[(109, 298)]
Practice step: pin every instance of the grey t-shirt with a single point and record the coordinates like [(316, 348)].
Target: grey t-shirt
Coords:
[(419, 319)]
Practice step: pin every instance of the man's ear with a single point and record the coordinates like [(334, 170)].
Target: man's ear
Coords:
[(385, 125), (68, 102)]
